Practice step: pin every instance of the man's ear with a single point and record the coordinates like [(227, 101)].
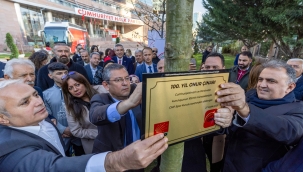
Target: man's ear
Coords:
[(105, 85), (50, 76), (6, 76), (4, 120), (291, 87)]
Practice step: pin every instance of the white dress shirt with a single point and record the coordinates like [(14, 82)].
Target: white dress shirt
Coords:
[(47, 131)]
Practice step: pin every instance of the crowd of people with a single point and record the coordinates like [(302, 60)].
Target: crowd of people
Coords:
[(83, 113)]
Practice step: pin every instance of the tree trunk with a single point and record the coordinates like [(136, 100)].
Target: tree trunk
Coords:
[(178, 51)]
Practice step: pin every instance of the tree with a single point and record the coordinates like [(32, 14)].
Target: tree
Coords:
[(12, 46), (153, 18), (178, 52), (255, 20)]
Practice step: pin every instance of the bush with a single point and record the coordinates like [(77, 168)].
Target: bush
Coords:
[(196, 48), (226, 49), (10, 44)]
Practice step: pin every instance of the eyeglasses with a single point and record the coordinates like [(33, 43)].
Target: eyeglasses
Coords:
[(69, 74), (121, 80)]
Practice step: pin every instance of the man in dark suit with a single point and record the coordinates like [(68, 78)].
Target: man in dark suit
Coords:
[(77, 56), (117, 113), (139, 59), (297, 64), (30, 143), (2, 65), (121, 59), (93, 66), (148, 66), (62, 54), (267, 121), (84, 58)]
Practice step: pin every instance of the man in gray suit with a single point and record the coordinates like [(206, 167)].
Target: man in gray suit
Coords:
[(29, 142)]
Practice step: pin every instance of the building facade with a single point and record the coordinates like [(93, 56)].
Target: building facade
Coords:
[(103, 19)]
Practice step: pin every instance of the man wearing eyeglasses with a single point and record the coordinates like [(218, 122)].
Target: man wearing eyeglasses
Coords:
[(117, 113), (61, 54), (297, 64), (155, 55), (77, 56)]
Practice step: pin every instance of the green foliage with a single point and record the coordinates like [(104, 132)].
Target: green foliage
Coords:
[(10, 44), (265, 46), (226, 48), (117, 40), (196, 48), (257, 20)]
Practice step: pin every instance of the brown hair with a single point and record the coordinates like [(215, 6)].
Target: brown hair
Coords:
[(37, 58), (254, 75), (72, 105)]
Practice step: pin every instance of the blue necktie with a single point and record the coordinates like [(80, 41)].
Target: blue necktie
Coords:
[(150, 71), (128, 129)]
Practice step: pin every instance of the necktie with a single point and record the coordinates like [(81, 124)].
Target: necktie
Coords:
[(128, 129), (150, 71), (120, 61)]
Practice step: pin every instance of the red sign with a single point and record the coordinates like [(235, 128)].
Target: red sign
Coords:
[(209, 120), (161, 127), (97, 15)]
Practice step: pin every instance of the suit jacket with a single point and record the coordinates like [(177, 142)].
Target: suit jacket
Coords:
[(142, 69), (2, 66), (299, 89), (233, 74), (264, 138), (24, 151), (76, 57), (110, 135), (89, 73), (84, 129), (43, 80), (127, 63)]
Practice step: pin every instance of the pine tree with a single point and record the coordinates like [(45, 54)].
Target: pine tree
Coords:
[(10, 44)]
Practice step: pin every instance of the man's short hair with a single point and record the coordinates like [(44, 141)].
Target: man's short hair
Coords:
[(147, 48), (119, 45), (4, 84), (91, 54), (84, 51), (278, 64), (56, 66), (107, 71), (214, 54), (139, 51), (8, 69), (296, 60), (246, 53)]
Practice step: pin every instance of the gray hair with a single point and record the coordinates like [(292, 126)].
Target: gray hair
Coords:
[(91, 54), (279, 64), (4, 84), (107, 71), (118, 45), (296, 60), (9, 67), (139, 51)]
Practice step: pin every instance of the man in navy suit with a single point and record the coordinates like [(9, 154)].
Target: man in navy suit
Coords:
[(121, 59), (93, 66), (297, 64), (148, 66)]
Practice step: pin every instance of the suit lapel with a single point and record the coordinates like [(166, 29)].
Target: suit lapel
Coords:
[(144, 68)]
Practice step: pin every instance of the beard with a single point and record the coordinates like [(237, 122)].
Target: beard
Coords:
[(64, 60), (243, 67)]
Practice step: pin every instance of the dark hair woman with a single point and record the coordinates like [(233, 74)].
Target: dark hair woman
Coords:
[(109, 55), (94, 48), (77, 93), (39, 59)]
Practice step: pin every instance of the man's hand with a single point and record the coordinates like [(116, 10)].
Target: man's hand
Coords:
[(137, 155), (66, 132), (233, 95), (223, 117), (133, 101)]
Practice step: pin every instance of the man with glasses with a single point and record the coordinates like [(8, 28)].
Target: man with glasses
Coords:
[(61, 54), (155, 55), (117, 113), (77, 56)]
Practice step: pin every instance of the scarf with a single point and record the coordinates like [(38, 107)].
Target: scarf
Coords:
[(263, 104)]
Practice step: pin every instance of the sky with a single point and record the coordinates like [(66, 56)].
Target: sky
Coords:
[(198, 7)]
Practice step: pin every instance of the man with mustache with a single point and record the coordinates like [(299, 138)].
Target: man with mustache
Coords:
[(239, 74), (61, 54), (29, 142), (22, 69)]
